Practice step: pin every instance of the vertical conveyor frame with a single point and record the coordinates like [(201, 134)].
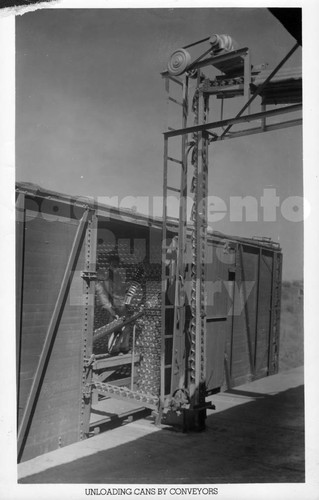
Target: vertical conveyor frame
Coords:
[(178, 349), (197, 359), (195, 384)]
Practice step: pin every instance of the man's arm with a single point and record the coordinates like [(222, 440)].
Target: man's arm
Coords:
[(104, 298)]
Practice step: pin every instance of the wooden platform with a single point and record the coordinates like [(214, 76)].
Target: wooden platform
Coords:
[(110, 410)]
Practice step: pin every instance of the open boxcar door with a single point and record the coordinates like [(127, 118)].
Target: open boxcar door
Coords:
[(56, 249)]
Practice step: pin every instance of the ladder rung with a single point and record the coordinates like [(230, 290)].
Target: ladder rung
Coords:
[(173, 189), (168, 366), (176, 101), (174, 160), (169, 218)]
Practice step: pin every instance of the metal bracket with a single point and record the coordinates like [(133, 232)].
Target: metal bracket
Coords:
[(89, 275), (86, 391), (90, 361)]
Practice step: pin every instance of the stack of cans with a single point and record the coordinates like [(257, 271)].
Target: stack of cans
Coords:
[(149, 338), (142, 291)]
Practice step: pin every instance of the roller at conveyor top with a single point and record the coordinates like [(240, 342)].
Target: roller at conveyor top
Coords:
[(181, 60)]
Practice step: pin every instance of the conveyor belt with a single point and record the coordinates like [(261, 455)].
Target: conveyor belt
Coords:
[(285, 87), (105, 330), (147, 400)]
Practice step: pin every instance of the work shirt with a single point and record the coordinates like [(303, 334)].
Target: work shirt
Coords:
[(110, 289)]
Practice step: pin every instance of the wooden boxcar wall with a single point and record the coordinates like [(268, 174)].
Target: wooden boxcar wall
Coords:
[(243, 311), (52, 342)]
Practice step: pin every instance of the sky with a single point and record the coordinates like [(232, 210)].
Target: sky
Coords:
[(91, 111)]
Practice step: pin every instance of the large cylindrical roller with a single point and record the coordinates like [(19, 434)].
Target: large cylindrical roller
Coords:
[(179, 61)]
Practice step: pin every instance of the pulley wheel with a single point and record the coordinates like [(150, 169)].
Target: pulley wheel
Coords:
[(223, 42), (179, 62)]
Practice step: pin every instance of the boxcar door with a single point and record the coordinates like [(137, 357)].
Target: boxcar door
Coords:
[(55, 244), (220, 259), (249, 337)]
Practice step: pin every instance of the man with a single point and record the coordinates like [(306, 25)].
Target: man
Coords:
[(109, 289)]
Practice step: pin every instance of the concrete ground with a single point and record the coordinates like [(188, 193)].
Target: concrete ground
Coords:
[(255, 435)]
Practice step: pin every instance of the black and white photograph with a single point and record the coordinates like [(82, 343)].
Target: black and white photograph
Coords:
[(161, 250)]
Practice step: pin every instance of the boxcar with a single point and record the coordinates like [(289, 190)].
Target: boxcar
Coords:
[(69, 381)]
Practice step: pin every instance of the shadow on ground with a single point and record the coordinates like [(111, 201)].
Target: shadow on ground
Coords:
[(258, 442)]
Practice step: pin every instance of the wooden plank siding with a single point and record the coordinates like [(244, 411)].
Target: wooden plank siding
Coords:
[(57, 419)]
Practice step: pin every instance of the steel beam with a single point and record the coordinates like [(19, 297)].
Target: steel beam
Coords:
[(263, 85), (88, 320), (267, 128), (241, 119)]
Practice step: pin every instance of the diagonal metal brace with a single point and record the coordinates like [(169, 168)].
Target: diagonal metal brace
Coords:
[(261, 88)]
